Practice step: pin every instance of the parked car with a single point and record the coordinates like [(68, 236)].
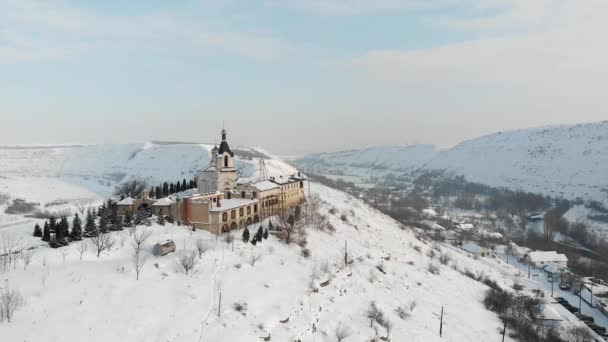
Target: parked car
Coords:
[(564, 287), (585, 318), (560, 300), (570, 308)]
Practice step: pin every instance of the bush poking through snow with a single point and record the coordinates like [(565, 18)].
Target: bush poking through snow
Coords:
[(10, 301), (253, 258), (306, 252), (201, 247), (433, 269), (445, 258), (342, 331), (186, 260), (240, 307), (374, 314)]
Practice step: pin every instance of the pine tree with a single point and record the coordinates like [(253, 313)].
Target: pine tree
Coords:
[(37, 231), (161, 219), (102, 210), (178, 187), (62, 231), (90, 227), (259, 234), (103, 224), (266, 234), (115, 219), (254, 241), (53, 226), (76, 234), (171, 189), (158, 192), (245, 235), (46, 234), (192, 184), (165, 189), (270, 226), (128, 220), (184, 185)]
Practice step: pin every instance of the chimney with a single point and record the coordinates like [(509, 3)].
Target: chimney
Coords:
[(219, 203)]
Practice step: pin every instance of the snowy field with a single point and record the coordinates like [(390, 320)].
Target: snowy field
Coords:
[(99, 299)]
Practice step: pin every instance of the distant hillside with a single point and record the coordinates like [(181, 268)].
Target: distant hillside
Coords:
[(562, 161), (99, 168)]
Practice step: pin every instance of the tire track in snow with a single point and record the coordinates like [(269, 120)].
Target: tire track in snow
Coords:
[(212, 305)]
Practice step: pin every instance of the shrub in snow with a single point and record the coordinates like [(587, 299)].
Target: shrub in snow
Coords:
[(306, 252), (186, 260), (374, 314), (10, 301), (432, 268), (260, 234), (445, 258), (201, 247), (254, 258), (342, 331), (37, 230), (265, 234), (239, 307)]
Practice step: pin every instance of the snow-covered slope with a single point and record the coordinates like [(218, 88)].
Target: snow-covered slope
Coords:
[(562, 161), (68, 299), (40, 174), (397, 158)]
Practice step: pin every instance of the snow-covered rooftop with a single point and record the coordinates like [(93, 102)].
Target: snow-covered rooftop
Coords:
[(548, 313), (163, 202), (466, 226), (265, 185), (232, 203), (126, 201), (547, 256)]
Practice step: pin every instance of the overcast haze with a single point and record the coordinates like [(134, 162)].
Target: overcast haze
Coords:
[(297, 76)]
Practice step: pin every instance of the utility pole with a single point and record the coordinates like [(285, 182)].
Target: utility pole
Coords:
[(528, 269), (552, 282), (504, 331), (441, 323)]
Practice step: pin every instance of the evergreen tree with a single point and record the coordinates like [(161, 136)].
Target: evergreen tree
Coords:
[(128, 220), (103, 224), (76, 234), (266, 234), (90, 227), (158, 192), (102, 210), (62, 231), (115, 219), (46, 234), (270, 226), (52, 225), (259, 234), (94, 212), (171, 189), (165, 189), (178, 187), (37, 231), (184, 185), (245, 235), (152, 192), (192, 184), (254, 241)]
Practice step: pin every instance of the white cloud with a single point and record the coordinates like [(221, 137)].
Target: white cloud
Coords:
[(33, 30)]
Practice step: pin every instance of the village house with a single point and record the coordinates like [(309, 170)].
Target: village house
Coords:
[(541, 258)]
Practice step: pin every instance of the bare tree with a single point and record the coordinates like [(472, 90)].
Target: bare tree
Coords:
[(342, 331), (580, 334), (138, 262), (187, 260), (9, 247), (131, 188), (10, 301), (102, 242), (139, 237), (81, 247), (82, 205), (254, 258), (26, 256), (201, 247)]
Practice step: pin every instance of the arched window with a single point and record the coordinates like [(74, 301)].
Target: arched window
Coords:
[(225, 161)]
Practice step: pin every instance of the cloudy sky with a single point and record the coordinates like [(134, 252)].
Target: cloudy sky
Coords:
[(297, 76)]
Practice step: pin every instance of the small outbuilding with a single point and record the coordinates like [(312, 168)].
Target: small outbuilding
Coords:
[(164, 248)]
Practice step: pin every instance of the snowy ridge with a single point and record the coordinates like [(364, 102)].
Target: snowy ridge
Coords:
[(93, 171), (560, 161)]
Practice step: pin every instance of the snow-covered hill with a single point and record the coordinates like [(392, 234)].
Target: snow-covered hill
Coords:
[(99, 299), (41, 174), (562, 161)]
